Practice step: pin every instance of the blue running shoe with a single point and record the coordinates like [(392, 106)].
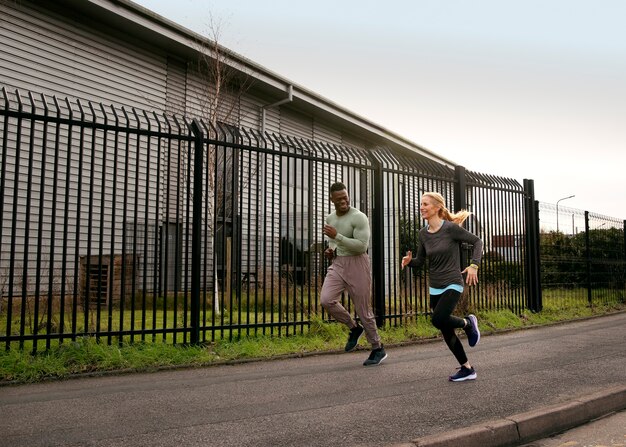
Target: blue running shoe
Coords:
[(472, 331), (463, 374)]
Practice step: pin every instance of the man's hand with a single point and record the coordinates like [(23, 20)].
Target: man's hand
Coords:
[(330, 231), (329, 253)]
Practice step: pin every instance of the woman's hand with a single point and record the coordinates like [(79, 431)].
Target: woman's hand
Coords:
[(407, 259), (472, 276)]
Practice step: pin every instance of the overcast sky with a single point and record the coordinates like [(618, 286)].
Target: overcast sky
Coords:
[(523, 89)]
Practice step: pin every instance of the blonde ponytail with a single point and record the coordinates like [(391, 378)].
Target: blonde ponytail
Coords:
[(444, 213)]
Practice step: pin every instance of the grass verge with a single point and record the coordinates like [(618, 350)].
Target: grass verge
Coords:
[(85, 355)]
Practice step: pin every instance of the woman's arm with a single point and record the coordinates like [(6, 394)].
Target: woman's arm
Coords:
[(416, 262), (460, 234)]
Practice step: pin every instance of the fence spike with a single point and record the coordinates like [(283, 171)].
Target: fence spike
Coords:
[(32, 102), (45, 104), (70, 111), (117, 118), (20, 105), (137, 118), (80, 107), (6, 98), (104, 114)]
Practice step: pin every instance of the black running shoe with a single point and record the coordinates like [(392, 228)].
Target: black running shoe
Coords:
[(353, 338), (463, 374), (376, 357), (472, 331)]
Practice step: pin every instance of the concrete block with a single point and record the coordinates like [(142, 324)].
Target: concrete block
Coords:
[(489, 434)]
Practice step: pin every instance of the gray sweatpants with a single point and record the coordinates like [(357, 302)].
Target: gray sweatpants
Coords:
[(354, 275)]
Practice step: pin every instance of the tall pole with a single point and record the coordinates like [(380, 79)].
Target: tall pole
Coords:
[(196, 234), (378, 242), (533, 261), (557, 210)]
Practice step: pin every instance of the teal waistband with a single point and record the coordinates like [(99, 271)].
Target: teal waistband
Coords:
[(456, 287)]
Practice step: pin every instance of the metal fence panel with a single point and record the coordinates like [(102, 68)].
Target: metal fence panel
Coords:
[(134, 226), (498, 206), (583, 256)]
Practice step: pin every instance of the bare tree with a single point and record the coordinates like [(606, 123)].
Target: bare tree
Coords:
[(219, 96)]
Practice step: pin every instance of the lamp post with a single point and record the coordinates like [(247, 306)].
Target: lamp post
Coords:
[(557, 210)]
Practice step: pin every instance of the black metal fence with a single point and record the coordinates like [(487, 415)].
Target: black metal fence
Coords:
[(583, 256), (127, 225)]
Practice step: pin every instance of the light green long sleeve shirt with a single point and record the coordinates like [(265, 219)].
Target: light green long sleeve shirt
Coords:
[(353, 232)]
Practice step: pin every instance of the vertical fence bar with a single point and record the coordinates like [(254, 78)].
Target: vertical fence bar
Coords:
[(530, 220), (53, 223), (27, 221), (136, 211), (178, 175), (103, 197), (189, 220), (79, 222), (235, 239), (92, 165), (114, 203), (164, 248), (537, 252), (460, 187), (42, 188), (158, 235), (122, 290), (378, 243), (3, 174), (588, 256), (12, 267), (532, 252), (196, 235), (460, 202), (146, 233)]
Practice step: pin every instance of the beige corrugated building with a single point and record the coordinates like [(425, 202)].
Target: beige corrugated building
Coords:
[(117, 52)]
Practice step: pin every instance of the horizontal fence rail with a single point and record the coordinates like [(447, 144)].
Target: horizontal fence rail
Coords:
[(133, 226)]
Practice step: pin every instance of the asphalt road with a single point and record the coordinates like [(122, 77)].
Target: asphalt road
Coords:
[(324, 400)]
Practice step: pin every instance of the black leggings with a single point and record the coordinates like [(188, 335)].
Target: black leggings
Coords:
[(442, 306)]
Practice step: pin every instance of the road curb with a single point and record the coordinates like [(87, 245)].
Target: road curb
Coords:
[(529, 426)]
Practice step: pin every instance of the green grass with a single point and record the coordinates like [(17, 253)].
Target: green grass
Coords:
[(86, 355)]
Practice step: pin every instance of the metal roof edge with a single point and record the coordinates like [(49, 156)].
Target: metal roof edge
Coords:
[(152, 21)]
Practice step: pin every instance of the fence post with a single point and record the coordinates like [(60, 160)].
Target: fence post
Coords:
[(378, 243), (460, 203), (460, 188), (196, 235), (588, 256), (533, 268), (537, 238)]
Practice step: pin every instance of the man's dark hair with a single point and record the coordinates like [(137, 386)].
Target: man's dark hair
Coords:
[(337, 186)]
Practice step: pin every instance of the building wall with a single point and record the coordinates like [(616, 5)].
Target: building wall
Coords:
[(57, 53), (44, 51), (69, 56)]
